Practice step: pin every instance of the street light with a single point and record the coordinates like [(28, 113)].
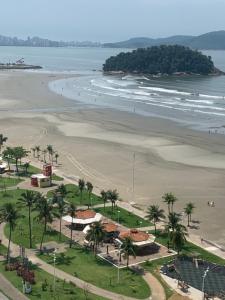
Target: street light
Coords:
[(118, 211), (118, 270), (203, 282), (54, 260)]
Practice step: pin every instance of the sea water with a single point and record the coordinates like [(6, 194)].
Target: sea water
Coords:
[(195, 101)]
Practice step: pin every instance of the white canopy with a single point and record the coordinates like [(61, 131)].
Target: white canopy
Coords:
[(3, 166), (86, 229), (96, 218)]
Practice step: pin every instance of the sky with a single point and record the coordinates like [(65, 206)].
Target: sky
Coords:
[(109, 20)]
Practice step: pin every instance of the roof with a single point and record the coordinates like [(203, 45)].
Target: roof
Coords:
[(137, 236), (85, 214), (90, 218), (110, 227), (39, 176)]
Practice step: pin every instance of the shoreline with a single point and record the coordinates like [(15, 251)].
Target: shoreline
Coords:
[(98, 144)]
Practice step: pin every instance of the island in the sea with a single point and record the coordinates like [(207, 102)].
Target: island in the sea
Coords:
[(162, 60), (18, 65)]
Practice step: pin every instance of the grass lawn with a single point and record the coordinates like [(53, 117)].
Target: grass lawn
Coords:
[(84, 265), (20, 235), (3, 250), (73, 196), (126, 218), (190, 249), (6, 182), (64, 291)]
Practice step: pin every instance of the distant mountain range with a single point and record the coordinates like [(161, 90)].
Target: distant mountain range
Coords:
[(40, 42), (209, 41)]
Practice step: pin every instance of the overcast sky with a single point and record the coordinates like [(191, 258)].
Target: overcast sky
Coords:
[(110, 20)]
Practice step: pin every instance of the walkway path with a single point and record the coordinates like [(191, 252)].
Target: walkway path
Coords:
[(9, 290), (157, 289)]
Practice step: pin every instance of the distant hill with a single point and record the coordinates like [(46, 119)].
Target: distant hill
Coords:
[(209, 41)]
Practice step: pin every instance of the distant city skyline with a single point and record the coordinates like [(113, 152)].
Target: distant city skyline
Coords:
[(110, 20)]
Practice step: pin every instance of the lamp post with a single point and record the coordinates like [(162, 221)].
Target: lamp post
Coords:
[(203, 282), (54, 260), (91, 201), (118, 211), (118, 270)]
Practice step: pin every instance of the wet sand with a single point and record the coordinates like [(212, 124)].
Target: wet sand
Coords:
[(98, 145)]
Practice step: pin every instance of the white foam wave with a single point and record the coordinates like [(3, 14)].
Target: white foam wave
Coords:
[(163, 90)]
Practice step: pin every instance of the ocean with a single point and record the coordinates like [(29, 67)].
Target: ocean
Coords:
[(194, 101)]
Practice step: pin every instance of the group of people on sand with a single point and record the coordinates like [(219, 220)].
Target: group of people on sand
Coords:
[(211, 203)]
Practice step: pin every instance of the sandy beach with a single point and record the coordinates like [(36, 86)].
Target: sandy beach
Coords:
[(98, 145)]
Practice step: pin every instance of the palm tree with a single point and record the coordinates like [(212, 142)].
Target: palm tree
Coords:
[(62, 209), (7, 155), (3, 139), (169, 199), (104, 197), (81, 185), (33, 149), (128, 248), (50, 152), (56, 157), (72, 212), (155, 214), (113, 196), (189, 208), (173, 220), (96, 234), (90, 187), (9, 214), (61, 189), (38, 149), (179, 237), (45, 215), (44, 152), (26, 166), (28, 199), (18, 153)]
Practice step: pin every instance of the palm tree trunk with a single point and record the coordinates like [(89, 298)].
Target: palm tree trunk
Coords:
[(8, 251), (60, 228), (104, 205), (29, 220), (128, 260), (42, 238), (71, 234), (188, 220), (155, 227), (17, 166), (8, 164)]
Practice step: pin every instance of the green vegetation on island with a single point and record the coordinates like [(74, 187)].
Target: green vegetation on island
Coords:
[(161, 60)]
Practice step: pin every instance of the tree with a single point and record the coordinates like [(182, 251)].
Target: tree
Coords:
[(38, 149), (113, 196), (62, 209), (189, 208), (18, 153), (155, 214), (7, 155), (128, 249), (28, 199), (50, 152), (33, 149), (90, 187), (9, 215), (169, 199), (45, 214), (56, 157), (81, 186), (44, 152), (96, 234), (72, 213), (173, 220), (3, 139), (178, 237), (26, 166), (61, 189), (104, 197)]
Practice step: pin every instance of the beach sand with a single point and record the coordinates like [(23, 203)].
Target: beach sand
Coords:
[(98, 145)]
